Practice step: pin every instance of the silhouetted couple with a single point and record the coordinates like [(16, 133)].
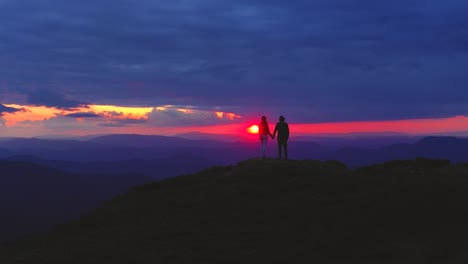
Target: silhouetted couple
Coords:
[(282, 129)]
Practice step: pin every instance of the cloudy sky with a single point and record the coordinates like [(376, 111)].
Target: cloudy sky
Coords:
[(164, 67)]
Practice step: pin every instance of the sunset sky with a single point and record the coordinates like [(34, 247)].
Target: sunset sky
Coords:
[(168, 67)]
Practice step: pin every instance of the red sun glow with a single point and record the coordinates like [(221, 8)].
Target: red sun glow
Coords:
[(253, 129)]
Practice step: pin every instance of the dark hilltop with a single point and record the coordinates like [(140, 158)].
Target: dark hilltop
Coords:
[(270, 211)]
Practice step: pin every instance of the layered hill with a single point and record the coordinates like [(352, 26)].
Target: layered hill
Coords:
[(34, 198), (147, 154), (269, 211)]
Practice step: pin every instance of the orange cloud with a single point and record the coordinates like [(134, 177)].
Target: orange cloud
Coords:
[(41, 113), (111, 111), (186, 111), (230, 116), (31, 113)]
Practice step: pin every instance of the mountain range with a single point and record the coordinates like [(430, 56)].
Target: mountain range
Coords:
[(144, 154)]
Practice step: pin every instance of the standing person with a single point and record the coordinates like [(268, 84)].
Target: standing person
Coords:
[(264, 132), (283, 135)]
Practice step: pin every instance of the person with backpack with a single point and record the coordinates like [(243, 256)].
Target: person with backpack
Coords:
[(283, 135), (263, 133)]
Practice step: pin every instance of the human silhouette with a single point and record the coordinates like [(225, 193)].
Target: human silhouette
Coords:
[(283, 135), (263, 133)]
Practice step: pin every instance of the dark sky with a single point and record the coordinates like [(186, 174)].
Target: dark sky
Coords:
[(313, 61)]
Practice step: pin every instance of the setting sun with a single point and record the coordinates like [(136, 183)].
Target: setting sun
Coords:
[(253, 129)]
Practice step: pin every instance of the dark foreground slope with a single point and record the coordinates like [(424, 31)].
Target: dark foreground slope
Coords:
[(264, 211), (34, 198)]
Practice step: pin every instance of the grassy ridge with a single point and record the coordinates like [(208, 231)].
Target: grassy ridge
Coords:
[(269, 211)]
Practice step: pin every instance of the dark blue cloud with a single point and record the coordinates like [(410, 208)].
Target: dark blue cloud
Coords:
[(315, 60), (82, 115), (52, 99), (6, 109)]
